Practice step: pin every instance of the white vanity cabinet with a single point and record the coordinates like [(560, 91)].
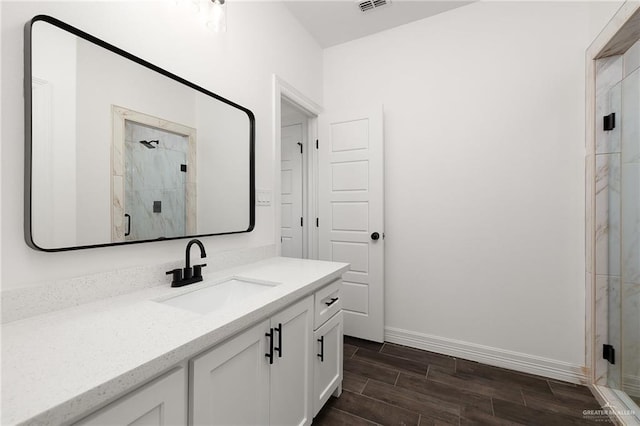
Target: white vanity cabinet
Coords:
[(292, 370), (327, 369), (262, 373), (255, 361), (327, 337), (163, 402), (230, 383)]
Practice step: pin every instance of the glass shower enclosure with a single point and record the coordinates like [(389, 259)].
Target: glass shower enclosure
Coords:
[(617, 217)]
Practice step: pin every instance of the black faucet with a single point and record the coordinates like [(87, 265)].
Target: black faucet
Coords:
[(189, 275)]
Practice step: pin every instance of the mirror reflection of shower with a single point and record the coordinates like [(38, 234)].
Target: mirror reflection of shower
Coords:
[(155, 182)]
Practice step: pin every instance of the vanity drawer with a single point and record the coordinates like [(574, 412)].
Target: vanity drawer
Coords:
[(327, 302)]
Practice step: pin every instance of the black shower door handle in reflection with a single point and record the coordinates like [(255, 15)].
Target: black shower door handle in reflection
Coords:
[(128, 231)]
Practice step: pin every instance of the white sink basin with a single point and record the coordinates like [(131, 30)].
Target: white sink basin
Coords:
[(225, 294)]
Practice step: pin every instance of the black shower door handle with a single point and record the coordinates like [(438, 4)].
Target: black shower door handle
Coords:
[(128, 231)]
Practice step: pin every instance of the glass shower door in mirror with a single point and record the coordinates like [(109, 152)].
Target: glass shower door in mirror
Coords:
[(156, 191)]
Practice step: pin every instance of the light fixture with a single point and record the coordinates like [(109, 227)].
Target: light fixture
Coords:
[(217, 16)]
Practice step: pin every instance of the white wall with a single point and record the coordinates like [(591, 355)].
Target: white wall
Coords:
[(262, 39), (484, 174), (54, 136), (222, 183)]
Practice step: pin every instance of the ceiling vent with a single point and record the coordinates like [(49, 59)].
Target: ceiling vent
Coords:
[(368, 5)]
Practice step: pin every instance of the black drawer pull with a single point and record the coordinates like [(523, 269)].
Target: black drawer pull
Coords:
[(279, 348), (321, 354), (333, 300), (270, 354)]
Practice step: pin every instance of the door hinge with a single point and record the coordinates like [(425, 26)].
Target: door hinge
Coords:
[(301, 222), (317, 222), (609, 121), (299, 143), (183, 168), (609, 353), (316, 143)]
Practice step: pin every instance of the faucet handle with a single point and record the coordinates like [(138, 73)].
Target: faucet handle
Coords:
[(197, 270), (177, 274)]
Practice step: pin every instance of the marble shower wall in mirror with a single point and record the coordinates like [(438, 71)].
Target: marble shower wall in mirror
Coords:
[(92, 181), (155, 183), (154, 177)]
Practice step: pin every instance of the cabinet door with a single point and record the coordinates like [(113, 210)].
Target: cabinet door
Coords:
[(291, 372), (161, 402), (327, 375), (230, 383)]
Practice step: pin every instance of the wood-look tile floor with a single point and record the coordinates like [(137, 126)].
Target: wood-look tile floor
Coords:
[(388, 384)]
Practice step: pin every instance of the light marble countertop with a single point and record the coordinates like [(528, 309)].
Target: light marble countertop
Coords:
[(59, 366)]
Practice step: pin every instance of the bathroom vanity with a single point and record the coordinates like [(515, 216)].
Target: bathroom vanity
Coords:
[(269, 353), (158, 158)]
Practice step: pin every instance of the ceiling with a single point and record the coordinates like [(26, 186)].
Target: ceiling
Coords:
[(339, 21)]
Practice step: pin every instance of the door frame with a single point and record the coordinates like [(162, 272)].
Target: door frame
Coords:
[(284, 90), (616, 38), (119, 115)]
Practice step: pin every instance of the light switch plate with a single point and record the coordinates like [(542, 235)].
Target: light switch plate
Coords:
[(263, 197)]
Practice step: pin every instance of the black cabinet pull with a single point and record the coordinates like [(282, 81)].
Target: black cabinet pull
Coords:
[(321, 354), (270, 354), (279, 348), (333, 300), (128, 231)]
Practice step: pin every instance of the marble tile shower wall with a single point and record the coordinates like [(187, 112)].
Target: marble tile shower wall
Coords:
[(617, 217), (154, 175)]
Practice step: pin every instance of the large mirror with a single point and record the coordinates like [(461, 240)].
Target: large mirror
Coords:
[(120, 151)]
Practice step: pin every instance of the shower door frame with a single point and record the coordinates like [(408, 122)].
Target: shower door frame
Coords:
[(119, 116), (617, 36)]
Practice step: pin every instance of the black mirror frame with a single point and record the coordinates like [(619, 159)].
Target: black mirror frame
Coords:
[(29, 133)]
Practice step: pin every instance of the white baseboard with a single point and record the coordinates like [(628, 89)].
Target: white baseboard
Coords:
[(488, 355), (631, 385)]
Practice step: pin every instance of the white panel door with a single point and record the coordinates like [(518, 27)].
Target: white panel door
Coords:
[(291, 372), (162, 402), (230, 383), (351, 213), (291, 184)]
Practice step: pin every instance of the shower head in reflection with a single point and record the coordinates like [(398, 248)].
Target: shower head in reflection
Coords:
[(148, 144)]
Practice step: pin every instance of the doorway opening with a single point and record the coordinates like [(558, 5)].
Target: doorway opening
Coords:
[(297, 186), (296, 193), (294, 147)]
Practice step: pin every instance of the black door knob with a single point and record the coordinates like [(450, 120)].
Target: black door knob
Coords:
[(375, 236)]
